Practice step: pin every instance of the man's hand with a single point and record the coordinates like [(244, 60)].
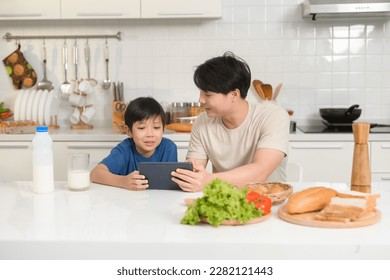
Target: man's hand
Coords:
[(191, 181)]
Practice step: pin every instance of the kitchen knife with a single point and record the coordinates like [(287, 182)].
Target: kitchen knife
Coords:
[(114, 90)]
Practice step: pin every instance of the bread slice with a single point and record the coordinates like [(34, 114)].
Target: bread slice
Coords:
[(346, 209)]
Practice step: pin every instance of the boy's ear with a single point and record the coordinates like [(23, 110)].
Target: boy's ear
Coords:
[(128, 131)]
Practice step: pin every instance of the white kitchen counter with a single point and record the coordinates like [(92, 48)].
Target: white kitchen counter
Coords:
[(107, 134), (87, 135), (111, 223)]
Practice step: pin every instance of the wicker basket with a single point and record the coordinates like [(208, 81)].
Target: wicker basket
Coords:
[(270, 189)]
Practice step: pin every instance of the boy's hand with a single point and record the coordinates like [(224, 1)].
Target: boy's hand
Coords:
[(136, 182)]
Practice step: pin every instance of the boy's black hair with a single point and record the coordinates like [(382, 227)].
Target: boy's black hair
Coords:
[(143, 108), (224, 74)]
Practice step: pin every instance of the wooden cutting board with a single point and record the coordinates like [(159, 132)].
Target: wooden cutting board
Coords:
[(307, 219), (237, 223)]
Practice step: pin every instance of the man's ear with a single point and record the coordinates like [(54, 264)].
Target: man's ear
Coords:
[(235, 94)]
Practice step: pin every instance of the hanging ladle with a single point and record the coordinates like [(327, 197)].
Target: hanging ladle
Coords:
[(106, 84), (45, 83)]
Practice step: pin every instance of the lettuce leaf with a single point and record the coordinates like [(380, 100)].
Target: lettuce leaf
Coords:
[(221, 201)]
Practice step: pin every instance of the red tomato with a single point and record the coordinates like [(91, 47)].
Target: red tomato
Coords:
[(5, 115), (252, 196), (261, 201)]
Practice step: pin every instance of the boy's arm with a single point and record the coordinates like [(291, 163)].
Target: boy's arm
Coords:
[(134, 181)]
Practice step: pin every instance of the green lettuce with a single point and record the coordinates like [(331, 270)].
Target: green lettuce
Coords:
[(221, 201)]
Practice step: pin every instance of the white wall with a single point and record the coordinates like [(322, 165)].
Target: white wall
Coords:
[(325, 63)]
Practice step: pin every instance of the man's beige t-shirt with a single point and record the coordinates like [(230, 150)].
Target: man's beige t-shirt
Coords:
[(266, 126)]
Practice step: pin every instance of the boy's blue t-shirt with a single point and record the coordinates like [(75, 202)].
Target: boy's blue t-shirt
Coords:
[(123, 159)]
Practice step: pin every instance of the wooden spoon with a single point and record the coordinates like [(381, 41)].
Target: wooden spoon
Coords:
[(277, 91), (257, 85), (267, 89)]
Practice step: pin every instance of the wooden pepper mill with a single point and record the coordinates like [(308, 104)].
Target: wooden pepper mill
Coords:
[(361, 172)]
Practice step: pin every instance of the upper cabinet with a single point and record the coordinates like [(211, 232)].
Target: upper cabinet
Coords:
[(92, 9), (109, 9), (181, 8), (36, 9)]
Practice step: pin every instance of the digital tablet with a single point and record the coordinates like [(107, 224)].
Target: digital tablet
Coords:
[(159, 173)]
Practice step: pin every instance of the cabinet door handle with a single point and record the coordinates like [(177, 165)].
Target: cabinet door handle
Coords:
[(79, 147), (180, 14), (99, 14), (385, 146), (21, 15), (182, 146), (325, 147), (385, 178), (14, 146)]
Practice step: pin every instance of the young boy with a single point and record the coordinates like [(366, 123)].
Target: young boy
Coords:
[(144, 124)]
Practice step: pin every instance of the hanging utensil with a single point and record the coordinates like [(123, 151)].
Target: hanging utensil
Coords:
[(257, 85), (85, 84), (122, 94), (107, 82), (75, 59), (114, 91), (65, 87), (45, 83), (277, 91), (87, 54)]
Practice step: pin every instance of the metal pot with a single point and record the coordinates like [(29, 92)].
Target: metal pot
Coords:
[(341, 115)]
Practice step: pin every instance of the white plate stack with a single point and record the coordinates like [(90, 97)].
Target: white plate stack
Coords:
[(34, 105)]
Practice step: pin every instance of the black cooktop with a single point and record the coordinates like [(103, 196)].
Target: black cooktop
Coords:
[(341, 128), (325, 129)]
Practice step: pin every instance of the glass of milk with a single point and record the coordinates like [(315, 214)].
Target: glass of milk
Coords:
[(78, 171)]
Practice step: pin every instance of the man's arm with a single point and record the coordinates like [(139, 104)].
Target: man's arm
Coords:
[(264, 163)]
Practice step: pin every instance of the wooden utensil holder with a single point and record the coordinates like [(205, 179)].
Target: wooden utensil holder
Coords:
[(361, 172), (118, 116)]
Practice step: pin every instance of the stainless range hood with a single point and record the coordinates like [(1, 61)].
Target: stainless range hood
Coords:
[(318, 9)]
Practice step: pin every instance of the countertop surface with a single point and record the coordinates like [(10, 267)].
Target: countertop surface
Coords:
[(111, 223), (107, 135)]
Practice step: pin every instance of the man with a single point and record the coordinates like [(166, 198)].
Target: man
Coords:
[(244, 142)]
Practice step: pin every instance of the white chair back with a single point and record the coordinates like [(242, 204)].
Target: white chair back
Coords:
[(294, 172)]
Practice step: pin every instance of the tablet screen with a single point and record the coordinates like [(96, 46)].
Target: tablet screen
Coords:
[(159, 173)]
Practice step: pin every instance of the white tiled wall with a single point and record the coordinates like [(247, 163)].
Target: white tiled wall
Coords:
[(324, 63)]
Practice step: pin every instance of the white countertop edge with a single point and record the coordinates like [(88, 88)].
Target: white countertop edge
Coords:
[(178, 241)]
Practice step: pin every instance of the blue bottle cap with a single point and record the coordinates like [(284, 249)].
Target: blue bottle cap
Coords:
[(41, 129)]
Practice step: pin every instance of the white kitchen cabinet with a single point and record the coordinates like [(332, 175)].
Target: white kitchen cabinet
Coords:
[(114, 9), (181, 9), (92, 9), (323, 161), (380, 161), (182, 148), (16, 161), (36, 9)]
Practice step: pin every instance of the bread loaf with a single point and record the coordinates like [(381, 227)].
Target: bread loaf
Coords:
[(179, 127), (308, 200)]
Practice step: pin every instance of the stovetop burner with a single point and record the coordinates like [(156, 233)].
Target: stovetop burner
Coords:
[(325, 129), (341, 128)]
